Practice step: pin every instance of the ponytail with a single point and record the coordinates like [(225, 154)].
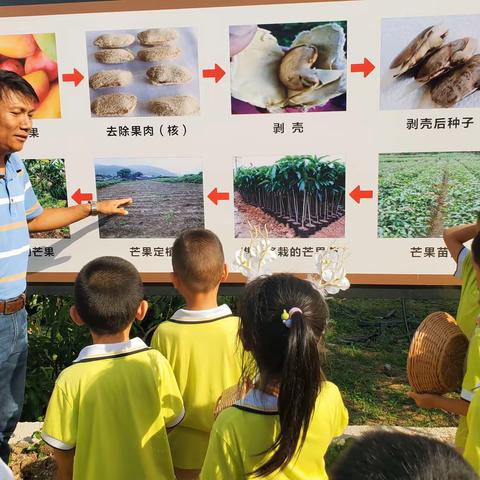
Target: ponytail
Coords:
[(301, 382)]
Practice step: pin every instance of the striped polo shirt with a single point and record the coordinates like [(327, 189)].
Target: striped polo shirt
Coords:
[(18, 204)]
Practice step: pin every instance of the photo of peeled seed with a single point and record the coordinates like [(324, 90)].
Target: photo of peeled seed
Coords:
[(288, 67), (114, 55), (157, 72), (174, 106), (437, 67), (161, 52), (114, 104), (114, 40), (157, 36), (168, 74), (110, 78)]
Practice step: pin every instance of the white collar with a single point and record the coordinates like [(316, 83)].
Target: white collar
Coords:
[(258, 400), (110, 349), (202, 315)]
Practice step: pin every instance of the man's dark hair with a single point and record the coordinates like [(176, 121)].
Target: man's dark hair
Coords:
[(400, 456), (10, 82), (108, 292)]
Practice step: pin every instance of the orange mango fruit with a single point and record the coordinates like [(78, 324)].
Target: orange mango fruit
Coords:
[(50, 107), (17, 46), (40, 83)]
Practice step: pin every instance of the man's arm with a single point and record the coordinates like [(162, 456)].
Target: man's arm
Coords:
[(53, 218), (455, 237), (452, 405), (64, 461)]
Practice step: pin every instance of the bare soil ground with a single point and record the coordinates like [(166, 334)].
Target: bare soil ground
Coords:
[(32, 465), (245, 213), (159, 210)]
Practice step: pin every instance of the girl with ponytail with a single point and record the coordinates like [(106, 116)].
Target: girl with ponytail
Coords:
[(283, 426)]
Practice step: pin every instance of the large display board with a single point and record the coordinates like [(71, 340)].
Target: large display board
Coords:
[(313, 119)]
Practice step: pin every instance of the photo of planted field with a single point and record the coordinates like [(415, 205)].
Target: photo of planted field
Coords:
[(292, 196), (47, 177), (167, 196), (420, 194)]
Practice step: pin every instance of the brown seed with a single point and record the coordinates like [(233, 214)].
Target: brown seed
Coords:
[(157, 36), (114, 104), (110, 78), (114, 40), (162, 52), (167, 74), (116, 55), (174, 106)]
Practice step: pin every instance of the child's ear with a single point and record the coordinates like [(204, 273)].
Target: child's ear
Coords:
[(141, 310), (224, 273), (175, 280), (74, 315)]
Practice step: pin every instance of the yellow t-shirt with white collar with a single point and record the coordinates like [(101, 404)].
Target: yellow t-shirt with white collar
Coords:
[(113, 406), (252, 425), (203, 349), (472, 444)]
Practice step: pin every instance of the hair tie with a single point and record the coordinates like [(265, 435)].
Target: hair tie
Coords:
[(287, 316)]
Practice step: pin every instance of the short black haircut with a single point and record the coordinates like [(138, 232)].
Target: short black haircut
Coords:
[(10, 82), (108, 292), (476, 249), (384, 455)]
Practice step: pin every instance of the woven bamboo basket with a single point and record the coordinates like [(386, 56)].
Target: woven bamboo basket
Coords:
[(437, 353)]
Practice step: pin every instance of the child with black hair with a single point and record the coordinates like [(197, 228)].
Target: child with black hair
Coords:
[(283, 426), (383, 455), (469, 429), (109, 412)]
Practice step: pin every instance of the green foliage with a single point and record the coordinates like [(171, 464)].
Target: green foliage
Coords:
[(48, 181), (106, 183), (414, 188), (124, 173), (187, 178)]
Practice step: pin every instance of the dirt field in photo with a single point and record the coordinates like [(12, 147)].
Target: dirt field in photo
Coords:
[(159, 210)]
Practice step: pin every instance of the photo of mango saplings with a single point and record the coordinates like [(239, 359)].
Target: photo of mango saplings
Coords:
[(167, 196), (430, 62), (34, 57), (296, 196), (143, 72), (288, 68), (421, 194), (47, 177)]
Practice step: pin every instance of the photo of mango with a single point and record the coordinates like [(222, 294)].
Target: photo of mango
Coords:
[(34, 57)]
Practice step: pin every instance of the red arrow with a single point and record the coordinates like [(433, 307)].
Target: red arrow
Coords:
[(80, 197), (358, 194), (76, 77), (366, 67), (217, 73), (215, 196)]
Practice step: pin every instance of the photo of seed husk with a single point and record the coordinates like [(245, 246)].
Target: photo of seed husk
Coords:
[(430, 62), (145, 72), (292, 67)]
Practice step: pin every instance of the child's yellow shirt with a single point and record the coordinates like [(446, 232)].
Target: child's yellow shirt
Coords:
[(242, 432), (472, 445), (468, 306), (205, 354), (113, 406)]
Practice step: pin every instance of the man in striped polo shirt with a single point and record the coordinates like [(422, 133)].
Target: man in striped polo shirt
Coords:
[(20, 213)]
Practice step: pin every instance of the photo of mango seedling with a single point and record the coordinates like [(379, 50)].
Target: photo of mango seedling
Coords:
[(143, 72), (289, 67), (167, 195), (421, 194), (430, 62), (34, 57), (47, 177), (292, 196)]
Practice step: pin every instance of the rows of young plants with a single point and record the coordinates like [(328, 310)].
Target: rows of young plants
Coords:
[(415, 188), (304, 192)]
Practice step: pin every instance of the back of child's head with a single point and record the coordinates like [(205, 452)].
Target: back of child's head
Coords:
[(476, 249), (198, 259), (108, 292), (400, 456), (286, 352)]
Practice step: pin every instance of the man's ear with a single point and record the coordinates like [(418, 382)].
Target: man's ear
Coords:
[(224, 273), (141, 310), (75, 316)]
